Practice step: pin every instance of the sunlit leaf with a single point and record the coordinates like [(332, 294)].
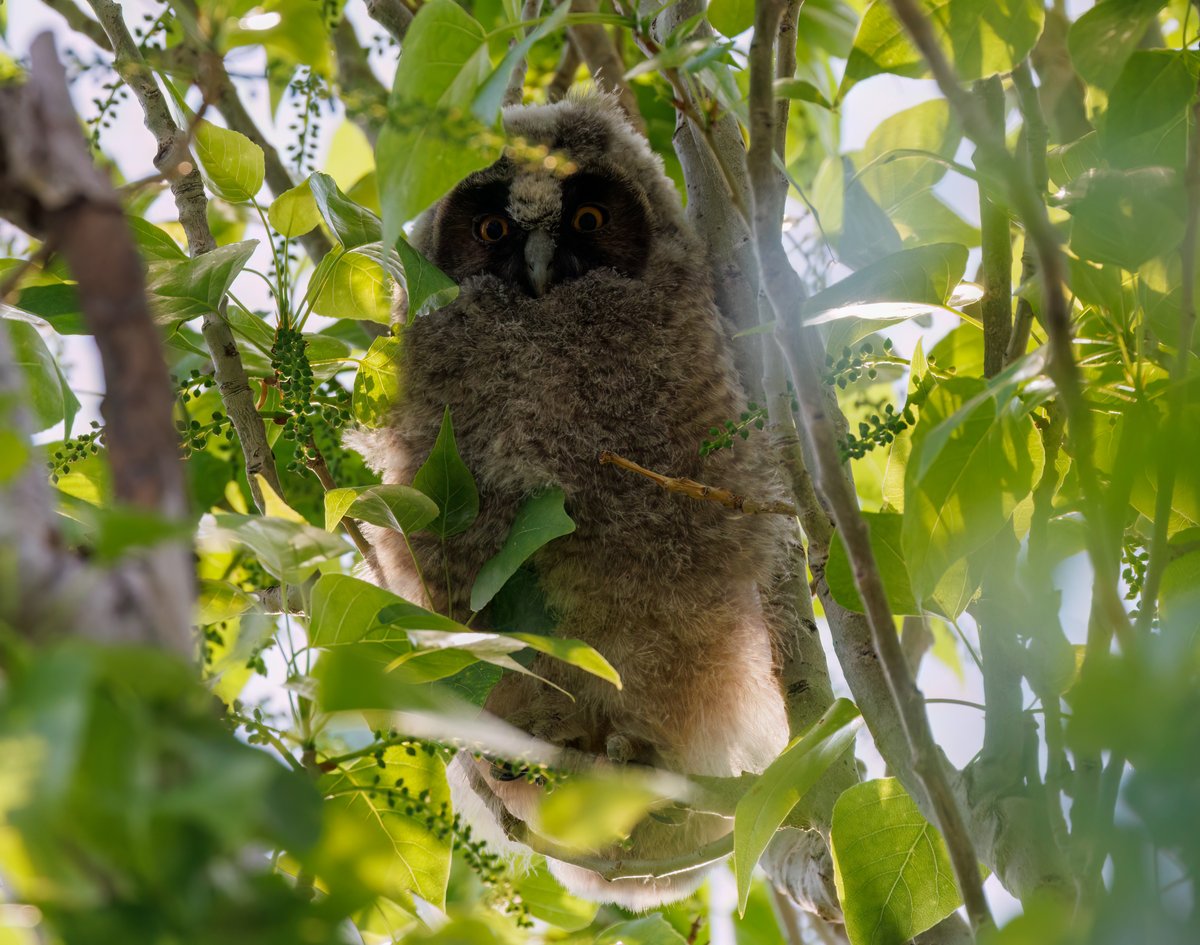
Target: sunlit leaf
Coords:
[(400, 508), (233, 164), (178, 290), (782, 786), (1104, 37), (885, 528), (294, 212), (891, 866), (377, 384)]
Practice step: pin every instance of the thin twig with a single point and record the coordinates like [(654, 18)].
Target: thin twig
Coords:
[(696, 490), (321, 470), (564, 75)]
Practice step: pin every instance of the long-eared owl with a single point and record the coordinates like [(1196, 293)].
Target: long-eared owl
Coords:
[(586, 322)]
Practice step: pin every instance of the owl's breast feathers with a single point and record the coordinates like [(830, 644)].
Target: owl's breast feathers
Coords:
[(537, 387)]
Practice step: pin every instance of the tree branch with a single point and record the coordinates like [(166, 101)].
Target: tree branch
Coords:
[(80, 22), (392, 15), (564, 75), (602, 58), (176, 164), (364, 96), (782, 288), (1168, 463), (996, 242), (516, 82), (696, 490), (47, 177)]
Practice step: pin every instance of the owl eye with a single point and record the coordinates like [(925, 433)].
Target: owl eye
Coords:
[(491, 228), (589, 218)]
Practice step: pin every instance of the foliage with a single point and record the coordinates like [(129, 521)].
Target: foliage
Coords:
[(299, 790)]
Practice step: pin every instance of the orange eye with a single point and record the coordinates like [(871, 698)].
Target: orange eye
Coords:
[(589, 218), (491, 228)]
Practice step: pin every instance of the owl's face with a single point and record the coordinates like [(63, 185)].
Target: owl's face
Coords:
[(535, 228)]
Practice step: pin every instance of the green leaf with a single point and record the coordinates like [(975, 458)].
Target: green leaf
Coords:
[(232, 163), (289, 550), (58, 304), (489, 98), (649, 930), (299, 37), (426, 287), (892, 178), (548, 901), (781, 787), (592, 810), (400, 508), (43, 389), (154, 242), (540, 519), (573, 652), (1102, 40), (1126, 218), (377, 383), (431, 140), (731, 17), (351, 285), (178, 291), (1146, 122), (801, 90), (925, 274), (886, 545), (351, 224), (445, 478), (891, 867), (294, 212), (371, 791), (965, 477), (980, 37)]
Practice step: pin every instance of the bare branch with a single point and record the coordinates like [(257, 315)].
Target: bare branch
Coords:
[(178, 167), (516, 83), (782, 287), (696, 490), (321, 470), (602, 58), (80, 22), (564, 75), (996, 240), (46, 172), (392, 15)]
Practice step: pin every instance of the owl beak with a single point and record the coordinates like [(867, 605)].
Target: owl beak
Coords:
[(539, 256)]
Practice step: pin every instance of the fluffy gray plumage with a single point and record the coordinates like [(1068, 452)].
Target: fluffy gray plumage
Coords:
[(665, 587)]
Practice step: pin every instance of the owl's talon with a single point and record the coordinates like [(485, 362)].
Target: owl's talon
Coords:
[(505, 771), (619, 749)]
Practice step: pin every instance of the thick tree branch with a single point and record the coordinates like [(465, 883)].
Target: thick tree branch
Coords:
[(602, 58), (392, 15), (179, 168), (48, 178), (783, 289), (996, 241)]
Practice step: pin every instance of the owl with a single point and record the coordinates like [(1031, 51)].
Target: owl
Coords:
[(586, 322)]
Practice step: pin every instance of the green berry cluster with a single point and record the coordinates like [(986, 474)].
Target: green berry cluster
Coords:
[(194, 433), (721, 438), (308, 91), (880, 428), (853, 365), (294, 376), (150, 36), (332, 405), (75, 450), (212, 636), (1135, 557)]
